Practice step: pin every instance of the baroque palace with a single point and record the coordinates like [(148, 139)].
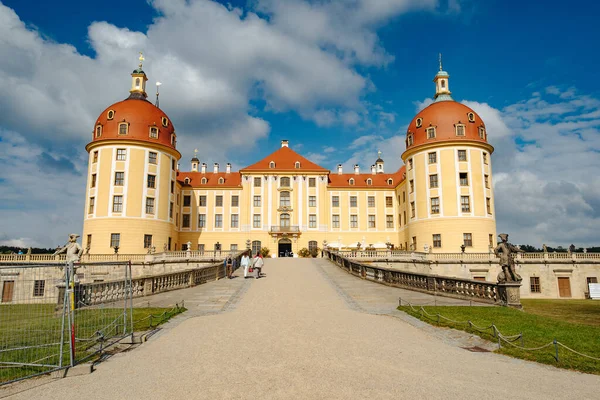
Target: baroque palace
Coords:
[(138, 199)]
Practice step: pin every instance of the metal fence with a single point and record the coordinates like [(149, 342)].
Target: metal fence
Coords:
[(47, 322)]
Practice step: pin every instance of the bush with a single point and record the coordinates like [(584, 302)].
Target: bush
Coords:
[(315, 252), (265, 252), (304, 252)]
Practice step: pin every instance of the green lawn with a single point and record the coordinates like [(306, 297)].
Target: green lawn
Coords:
[(574, 323), (27, 325)]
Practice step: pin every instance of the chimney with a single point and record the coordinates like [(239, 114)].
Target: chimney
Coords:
[(203, 167), (285, 143), (228, 168), (373, 170), (339, 169), (356, 169), (216, 168)]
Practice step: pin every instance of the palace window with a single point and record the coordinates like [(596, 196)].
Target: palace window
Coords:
[(201, 220), (284, 182), (172, 164), (98, 131), (221, 180), (297, 165), (91, 205), (435, 205), (164, 121), (153, 132), (462, 155), (147, 241), (389, 221), (256, 246), (187, 200), (335, 201), (152, 157), (119, 178), (463, 177), (335, 221), (151, 182), (419, 122), (369, 182), (121, 154), (256, 201), (460, 129), (202, 201), (218, 220), (371, 221), (149, 205), (534, 284), (203, 181), (485, 161), (256, 221), (351, 182), (93, 181), (437, 240), (235, 201), (409, 140), (412, 185), (110, 114), (123, 128), (433, 181), (185, 223), (312, 245), (219, 201), (115, 239), (95, 157), (117, 203), (171, 209), (486, 180), (481, 132), (465, 204), (371, 201), (284, 199), (432, 157), (353, 221), (471, 117), (390, 181), (312, 182), (468, 239), (312, 221), (353, 201), (272, 164), (89, 241), (257, 182), (410, 163), (389, 201), (488, 204), (284, 220), (312, 201), (491, 240), (412, 209), (431, 132)]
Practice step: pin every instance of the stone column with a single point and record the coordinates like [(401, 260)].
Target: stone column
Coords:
[(510, 294)]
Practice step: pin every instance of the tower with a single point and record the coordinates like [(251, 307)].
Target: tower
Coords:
[(131, 190), (448, 177)]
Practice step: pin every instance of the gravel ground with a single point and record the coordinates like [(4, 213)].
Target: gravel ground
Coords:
[(293, 336)]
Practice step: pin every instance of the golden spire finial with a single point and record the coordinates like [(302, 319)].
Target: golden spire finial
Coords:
[(379, 153), (196, 153), (141, 59), (440, 61)]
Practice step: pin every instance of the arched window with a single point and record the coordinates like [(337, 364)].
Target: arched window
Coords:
[(123, 128), (98, 130), (285, 181), (284, 220), (443, 83), (351, 181), (186, 181), (221, 181), (471, 117), (153, 132), (313, 245), (137, 82), (110, 114), (272, 164), (284, 199), (297, 165), (256, 246), (419, 122), (390, 181), (369, 181), (203, 181)]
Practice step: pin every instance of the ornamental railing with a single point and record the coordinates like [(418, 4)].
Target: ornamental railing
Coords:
[(285, 229), (207, 255), (466, 289)]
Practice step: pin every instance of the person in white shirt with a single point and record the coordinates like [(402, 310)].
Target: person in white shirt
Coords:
[(258, 264), (245, 263)]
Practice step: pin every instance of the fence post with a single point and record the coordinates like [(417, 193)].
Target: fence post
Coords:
[(556, 350), (494, 329)]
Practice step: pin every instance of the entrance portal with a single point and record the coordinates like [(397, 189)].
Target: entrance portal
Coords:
[(285, 248)]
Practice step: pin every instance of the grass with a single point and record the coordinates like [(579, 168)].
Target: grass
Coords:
[(27, 325), (574, 323)]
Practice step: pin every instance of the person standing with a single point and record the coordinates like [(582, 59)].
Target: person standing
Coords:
[(229, 267), (258, 264), (245, 263)]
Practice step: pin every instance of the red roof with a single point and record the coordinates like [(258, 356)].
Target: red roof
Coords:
[(233, 179), (285, 160), (378, 181)]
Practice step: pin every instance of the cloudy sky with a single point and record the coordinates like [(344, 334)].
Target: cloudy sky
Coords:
[(339, 78)]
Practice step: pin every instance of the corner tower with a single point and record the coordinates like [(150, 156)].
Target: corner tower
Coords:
[(449, 177), (131, 185)]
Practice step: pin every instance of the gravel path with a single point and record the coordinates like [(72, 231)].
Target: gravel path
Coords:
[(294, 336)]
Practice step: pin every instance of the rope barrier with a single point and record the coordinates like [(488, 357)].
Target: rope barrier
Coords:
[(509, 339)]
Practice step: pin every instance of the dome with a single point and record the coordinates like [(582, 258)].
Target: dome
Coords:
[(450, 120), (141, 120)]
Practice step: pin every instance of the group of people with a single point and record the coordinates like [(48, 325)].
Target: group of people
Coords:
[(250, 266)]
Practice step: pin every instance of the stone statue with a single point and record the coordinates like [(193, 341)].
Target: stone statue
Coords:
[(74, 252), (506, 252), (544, 248), (165, 248), (29, 251)]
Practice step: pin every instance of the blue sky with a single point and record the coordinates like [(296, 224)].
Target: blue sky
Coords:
[(339, 79)]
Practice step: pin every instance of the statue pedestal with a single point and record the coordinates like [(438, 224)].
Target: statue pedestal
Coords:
[(510, 294)]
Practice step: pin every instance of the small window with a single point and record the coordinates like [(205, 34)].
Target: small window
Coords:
[(433, 181), (117, 204), (201, 220), (173, 139), (38, 288), (218, 220), (432, 157), (412, 209), (172, 186), (435, 205), (93, 181), (119, 178), (369, 181), (488, 204), (460, 129), (335, 201), (409, 140), (353, 201), (419, 122), (272, 164), (95, 157), (468, 239), (297, 165), (353, 221), (219, 201), (147, 241), (312, 221), (202, 201), (462, 155), (110, 114), (115, 239), (152, 157), (471, 117), (312, 201), (284, 182), (91, 205), (123, 128), (390, 181), (412, 185), (171, 210), (465, 204), (486, 181), (437, 240), (335, 221), (389, 221), (410, 163), (151, 181), (285, 200), (186, 180), (185, 222), (371, 201), (187, 200), (485, 160), (463, 178), (221, 181), (431, 132), (256, 221), (121, 154), (98, 131), (149, 205), (389, 201), (257, 182), (351, 181), (534, 284), (235, 221), (165, 121), (203, 181), (235, 201), (312, 182), (481, 132), (153, 132), (256, 201), (443, 83), (371, 221)]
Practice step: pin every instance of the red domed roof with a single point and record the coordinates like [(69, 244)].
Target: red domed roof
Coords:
[(444, 116), (140, 116)]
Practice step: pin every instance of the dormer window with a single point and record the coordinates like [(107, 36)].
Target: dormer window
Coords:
[(419, 122), (110, 114), (272, 164), (471, 117), (409, 139), (297, 165), (98, 131), (153, 132), (482, 132), (165, 121), (221, 181), (186, 181), (173, 140), (369, 181), (203, 181), (390, 181), (351, 181), (123, 128), (431, 132), (460, 129)]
